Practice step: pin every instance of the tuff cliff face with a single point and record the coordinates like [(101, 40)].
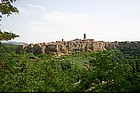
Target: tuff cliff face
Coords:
[(59, 48)]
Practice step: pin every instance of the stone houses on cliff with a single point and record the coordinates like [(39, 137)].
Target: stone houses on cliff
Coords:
[(59, 48)]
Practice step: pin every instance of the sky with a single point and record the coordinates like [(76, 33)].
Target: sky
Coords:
[(54, 20)]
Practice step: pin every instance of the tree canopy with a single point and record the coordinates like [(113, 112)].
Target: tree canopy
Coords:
[(7, 9)]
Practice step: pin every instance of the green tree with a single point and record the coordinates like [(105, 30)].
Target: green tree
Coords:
[(108, 72), (6, 8)]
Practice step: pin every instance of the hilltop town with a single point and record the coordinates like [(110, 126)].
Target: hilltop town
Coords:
[(62, 47)]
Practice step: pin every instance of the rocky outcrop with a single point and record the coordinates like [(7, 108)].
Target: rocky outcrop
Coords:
[(52, 49), (59, 48), (20, 48)]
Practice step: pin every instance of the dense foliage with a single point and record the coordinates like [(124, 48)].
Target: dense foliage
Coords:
[(7, 8), (7, 36), (102, 71), (130, 49)]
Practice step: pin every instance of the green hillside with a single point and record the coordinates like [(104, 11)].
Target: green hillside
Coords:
[(102, 71)]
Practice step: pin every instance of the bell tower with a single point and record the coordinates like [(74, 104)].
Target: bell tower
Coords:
[(84, 36)]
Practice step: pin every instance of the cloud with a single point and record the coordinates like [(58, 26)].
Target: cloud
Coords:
[(65, 17), (54, 25), (40, 7), (62, 20), (57, 25), (66, 21)]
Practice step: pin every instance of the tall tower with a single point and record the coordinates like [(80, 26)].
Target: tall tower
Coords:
[(84, 36)]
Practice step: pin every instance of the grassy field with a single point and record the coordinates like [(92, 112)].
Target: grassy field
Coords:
[(80, 59)]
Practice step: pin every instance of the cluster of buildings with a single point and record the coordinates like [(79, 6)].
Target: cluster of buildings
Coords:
[(59, 48)]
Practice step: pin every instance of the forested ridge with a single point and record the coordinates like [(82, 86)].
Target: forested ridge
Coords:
[(114, 70)]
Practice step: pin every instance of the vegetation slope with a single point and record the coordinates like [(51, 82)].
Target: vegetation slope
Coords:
[(116, 70)]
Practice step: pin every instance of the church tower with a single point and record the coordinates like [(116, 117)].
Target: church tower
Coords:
[(84, 36)]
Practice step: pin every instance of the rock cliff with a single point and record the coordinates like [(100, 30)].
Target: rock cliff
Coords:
[(59, 48)]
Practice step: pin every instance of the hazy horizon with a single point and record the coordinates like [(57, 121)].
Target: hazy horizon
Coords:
[(51, 20)]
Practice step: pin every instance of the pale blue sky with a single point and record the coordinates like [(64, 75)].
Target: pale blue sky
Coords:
[(51, 20)]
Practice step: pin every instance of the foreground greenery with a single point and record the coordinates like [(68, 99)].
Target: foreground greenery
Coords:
[(6, 9), (102, 71)]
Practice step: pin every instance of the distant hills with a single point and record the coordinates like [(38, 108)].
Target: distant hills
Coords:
[(13, 42)]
